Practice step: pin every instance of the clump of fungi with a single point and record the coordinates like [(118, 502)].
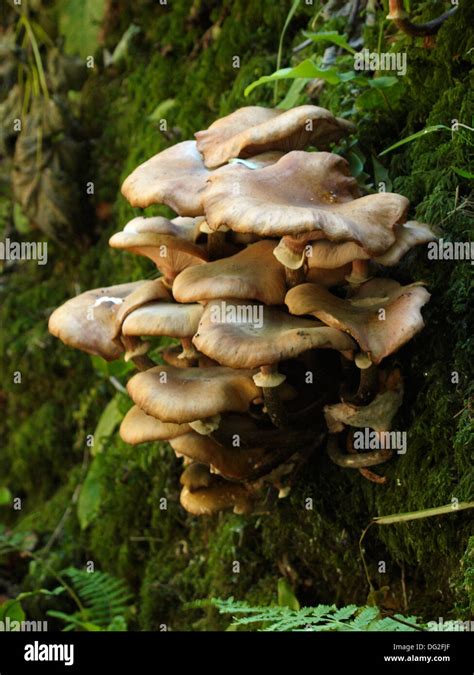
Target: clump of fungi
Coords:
[(268, 282)]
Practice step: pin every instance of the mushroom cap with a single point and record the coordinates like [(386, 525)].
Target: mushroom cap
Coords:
[(329, 255), (360, 315), (254, 129), (235, 463), (407, 235), (187, 394), (88, 321), (163, 318), (171, 254), (253, 273), (377, 415), (185, 228), (146, 292), (242, 335), (303, 192), (176, 177), (218, 495), (196, 476), (138, 427), (328, 278)]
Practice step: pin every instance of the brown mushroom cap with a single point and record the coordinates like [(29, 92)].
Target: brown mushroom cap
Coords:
[(303, 192), (163, 318), (138, 427), (187, 394), (242, 335), (171, 254), (185, 228), (254, 129), (328, 278), (196, 476), (204, 493), (407, 235), (377, 415), (360, 315), (329, 255), (176, 177), (88, 321), (146, 292), (235, 463), (253, 273)]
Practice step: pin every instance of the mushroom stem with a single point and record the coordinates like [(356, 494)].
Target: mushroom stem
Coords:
[(357, 461), (215, 245), (296, 276), (270, 379), (367, 386), (143, 362), (189, 351), (398, 15), (359, 272), (274, 407)]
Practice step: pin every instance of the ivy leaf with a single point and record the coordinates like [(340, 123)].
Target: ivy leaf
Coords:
[(307, 69), (12, 610), (110, 418), (293, 94), (330, 36), (90, 498), (79, 23), (382, 82)]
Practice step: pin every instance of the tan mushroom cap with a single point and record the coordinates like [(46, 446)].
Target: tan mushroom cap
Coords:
[(187, 394), (170, 254), (242, 335), (378, 333), (377, 415), (88, 321), (254, 129), (176, 177), (207, 494), (138, 427), (148, 291), (328, 278), (163, 318), (326, 254), (253, 273), (185, 228), (304, 192), (407, 235), (196, 476), (235, 463)]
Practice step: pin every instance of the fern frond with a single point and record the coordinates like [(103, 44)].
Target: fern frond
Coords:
[(319, 618)]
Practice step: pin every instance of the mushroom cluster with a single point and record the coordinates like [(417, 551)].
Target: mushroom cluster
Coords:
[(267, 279)]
